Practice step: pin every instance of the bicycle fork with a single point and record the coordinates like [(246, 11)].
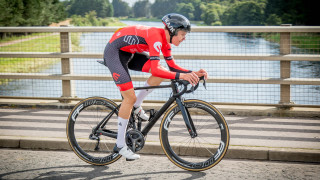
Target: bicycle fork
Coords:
[(187, 119)]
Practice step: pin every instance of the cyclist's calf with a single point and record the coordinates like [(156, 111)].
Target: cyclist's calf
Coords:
[(129, 98)]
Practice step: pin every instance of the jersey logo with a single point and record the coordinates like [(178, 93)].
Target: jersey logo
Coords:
[(115, 76), (157, 46), (131, 40)]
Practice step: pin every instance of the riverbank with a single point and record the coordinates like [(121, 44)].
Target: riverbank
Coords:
[(308, 43)]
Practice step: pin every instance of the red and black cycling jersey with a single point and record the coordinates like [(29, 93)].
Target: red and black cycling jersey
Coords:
[(139, 39)]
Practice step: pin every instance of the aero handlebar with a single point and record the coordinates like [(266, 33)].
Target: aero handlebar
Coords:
[(185, 86)]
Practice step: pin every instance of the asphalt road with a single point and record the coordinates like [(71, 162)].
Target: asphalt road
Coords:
[(28, 164)]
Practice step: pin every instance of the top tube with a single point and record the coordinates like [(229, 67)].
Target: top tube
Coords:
[(153, 87)]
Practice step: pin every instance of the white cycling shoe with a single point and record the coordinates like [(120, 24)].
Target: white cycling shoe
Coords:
[(140, 113), (126, 152)]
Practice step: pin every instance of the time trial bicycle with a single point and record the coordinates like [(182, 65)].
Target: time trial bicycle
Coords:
[(193, 133)]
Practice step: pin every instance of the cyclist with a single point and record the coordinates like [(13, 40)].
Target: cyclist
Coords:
[(125, 50)]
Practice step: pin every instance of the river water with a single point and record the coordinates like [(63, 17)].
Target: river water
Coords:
[(196, 43)]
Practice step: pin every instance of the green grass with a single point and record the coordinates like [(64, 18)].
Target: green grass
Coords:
[(25, 65), (307, 41), (40, 43), (15, 37), (114, 22)]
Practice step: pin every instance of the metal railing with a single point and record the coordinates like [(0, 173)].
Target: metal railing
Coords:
[(285, 57)]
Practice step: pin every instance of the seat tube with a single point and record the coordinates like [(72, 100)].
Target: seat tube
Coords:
[(187, 118)]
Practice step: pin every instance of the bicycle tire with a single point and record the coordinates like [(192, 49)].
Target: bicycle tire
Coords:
[(202, 152), (82, 119)]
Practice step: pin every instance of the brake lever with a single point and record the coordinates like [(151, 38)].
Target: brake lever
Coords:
[(204, 83)]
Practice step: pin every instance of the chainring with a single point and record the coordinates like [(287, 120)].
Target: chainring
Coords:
[(135, 140)]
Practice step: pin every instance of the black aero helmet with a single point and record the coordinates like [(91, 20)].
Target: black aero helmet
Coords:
[(175, 22)]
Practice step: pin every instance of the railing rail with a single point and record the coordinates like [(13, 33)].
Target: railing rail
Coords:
[(66, 54)]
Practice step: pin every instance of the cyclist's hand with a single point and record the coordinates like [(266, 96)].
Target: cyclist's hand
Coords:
[(191, 77), (201, 73)]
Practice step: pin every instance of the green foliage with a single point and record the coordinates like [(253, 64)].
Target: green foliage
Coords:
[(186, 9), (121, 8), (217, 23), (273, 19), (212, 13), (191, 9), (163, 7), (244, 13), (91, 19), (103, 8), (296, 12), (31, 12), (142, 9)]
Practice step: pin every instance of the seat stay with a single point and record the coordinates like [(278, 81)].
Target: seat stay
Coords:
[(103, 123)]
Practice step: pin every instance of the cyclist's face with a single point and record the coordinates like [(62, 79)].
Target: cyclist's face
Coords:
[(177, 39)]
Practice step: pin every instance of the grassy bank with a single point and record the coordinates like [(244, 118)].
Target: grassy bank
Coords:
[(309, 42), (37, 42)]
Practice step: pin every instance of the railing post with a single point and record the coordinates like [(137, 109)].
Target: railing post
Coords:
[(285, 68), (66, 66)]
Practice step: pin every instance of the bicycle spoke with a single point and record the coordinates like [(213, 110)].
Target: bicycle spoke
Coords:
[(200, 144), (93, 148), (202, 151)]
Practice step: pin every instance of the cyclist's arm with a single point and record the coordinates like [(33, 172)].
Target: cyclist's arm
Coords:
[(174, 67), (157, 71)]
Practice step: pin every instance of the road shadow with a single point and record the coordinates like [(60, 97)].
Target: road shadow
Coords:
[(93, 172)]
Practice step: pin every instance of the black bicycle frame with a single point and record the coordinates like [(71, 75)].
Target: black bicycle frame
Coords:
[(186, 116), (172, 99)]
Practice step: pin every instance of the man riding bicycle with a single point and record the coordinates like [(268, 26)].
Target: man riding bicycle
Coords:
[(125, 50)]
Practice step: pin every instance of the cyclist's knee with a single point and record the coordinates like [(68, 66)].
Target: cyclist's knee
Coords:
[(132, 99), (129, 96)]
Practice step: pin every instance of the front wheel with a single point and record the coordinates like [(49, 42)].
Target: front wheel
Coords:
[(203, 151)]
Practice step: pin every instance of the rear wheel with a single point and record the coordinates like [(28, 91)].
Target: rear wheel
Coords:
[(91, 144), (194, 153)]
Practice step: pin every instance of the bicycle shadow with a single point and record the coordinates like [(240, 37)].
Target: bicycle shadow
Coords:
[(90, 172)]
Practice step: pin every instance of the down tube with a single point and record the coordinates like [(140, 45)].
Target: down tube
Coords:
[(153, 121)]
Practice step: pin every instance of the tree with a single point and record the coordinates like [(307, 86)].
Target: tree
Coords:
[(191, 9), (244, 13), (273, 19), (197, 9), (211, 13), (121, 8), (163, 7), (11, 13), (296, 12), (103, 8), (30, 12), (186, 9), (141, 9)]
